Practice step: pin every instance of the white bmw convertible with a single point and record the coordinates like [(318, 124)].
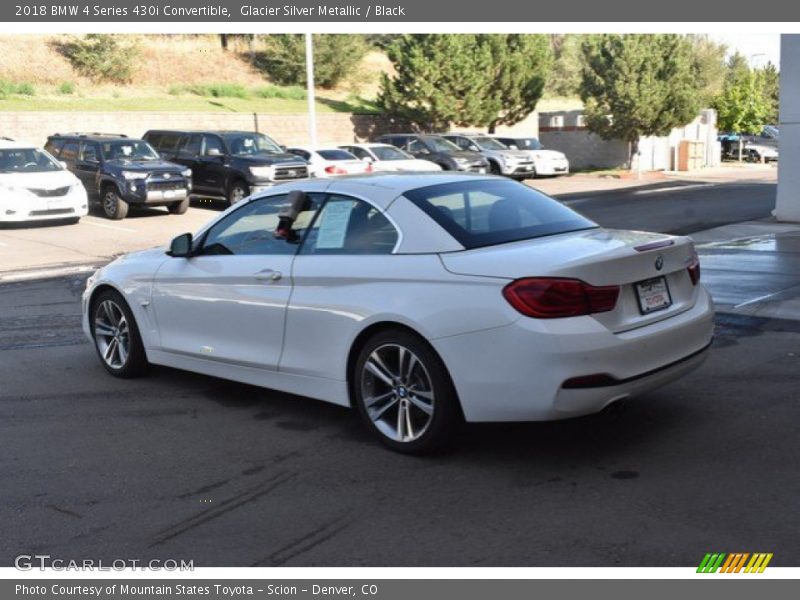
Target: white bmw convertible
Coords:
[(420, 300)]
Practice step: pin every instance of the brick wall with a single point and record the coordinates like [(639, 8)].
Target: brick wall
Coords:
[(288, 129)]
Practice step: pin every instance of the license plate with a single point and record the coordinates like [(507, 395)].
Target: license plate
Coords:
[(653, 295), (56, 204), (169, 193), (482, 170)]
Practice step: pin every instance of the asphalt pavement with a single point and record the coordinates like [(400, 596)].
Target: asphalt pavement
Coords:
[(183, 466), (178, 465)]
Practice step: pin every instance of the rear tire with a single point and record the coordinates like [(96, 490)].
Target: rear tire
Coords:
[(403, 393), (116, 336), (179, 208), (114, 207), (238, 191)]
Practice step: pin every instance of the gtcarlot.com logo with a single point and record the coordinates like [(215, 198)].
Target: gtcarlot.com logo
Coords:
[(42, 562), (738, 562)]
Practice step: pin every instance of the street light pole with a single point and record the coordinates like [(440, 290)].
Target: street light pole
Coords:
[(312, 109)]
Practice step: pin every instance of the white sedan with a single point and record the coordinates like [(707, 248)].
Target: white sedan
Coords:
[(420, 300), (385, 157), (34, 186), (330, 162)]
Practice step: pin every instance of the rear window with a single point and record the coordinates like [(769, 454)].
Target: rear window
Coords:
[(336, 155), (485, 212)]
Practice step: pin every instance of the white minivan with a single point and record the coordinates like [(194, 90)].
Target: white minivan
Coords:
[(34, 186)]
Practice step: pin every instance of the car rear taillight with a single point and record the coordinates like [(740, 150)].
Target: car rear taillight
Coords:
[(694, 270), (554, 297), (368, 169), (334, 170)]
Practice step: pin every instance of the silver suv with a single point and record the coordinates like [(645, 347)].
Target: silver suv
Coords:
[(502, 160)]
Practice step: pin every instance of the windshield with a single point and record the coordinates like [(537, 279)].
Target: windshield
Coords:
[(27, 160), (389, 153), (439, 144), (245, 144), (488, 143), (485, 212), (129, 150)]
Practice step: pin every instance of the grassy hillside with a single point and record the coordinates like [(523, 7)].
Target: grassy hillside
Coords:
[(172, 73)]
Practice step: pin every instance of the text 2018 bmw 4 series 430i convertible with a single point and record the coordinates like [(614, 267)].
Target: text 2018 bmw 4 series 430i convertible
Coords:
[(419, 299)]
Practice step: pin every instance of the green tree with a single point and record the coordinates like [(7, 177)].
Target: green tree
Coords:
[(565, 74), (772, 88), (336, 56), (743, 107), (710, 68), (466, 80), (441, 80), (520, 66), (638, 85)]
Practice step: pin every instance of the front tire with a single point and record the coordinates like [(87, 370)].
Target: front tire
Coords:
[(116, 336), (494, 168), (238, 191), (114, 207), (179, 208), (403, 393)]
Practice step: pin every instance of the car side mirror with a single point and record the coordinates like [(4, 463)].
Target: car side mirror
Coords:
[(62, 163), (213, 152), (367, 160), (283, 148), (474, 148), (181, 246), (513, 147)]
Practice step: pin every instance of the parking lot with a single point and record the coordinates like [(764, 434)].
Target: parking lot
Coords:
[(177, 465)]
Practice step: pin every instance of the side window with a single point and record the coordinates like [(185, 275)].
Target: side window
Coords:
[(192, 144), (54, 147), (69, 151), (301, 153), (212, 146), (416, 146), (461, 142), (251, 229), (154, 139), (89, 153), (349, 226)]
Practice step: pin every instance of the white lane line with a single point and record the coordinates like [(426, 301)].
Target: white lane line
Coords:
[(106, 226), (673, 188), (754, 300)]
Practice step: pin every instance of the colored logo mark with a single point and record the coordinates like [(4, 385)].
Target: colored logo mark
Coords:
[(739, 562)]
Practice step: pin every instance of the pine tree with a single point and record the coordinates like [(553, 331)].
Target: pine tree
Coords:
[(638, 85), (464, 80)]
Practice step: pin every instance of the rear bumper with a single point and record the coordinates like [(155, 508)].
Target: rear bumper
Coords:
[(552, 167), (522, 377)]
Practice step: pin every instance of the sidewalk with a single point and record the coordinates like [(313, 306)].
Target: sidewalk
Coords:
[(591, 184), (753, 268)]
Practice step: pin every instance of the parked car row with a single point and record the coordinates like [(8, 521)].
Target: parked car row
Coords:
[(167, 167)]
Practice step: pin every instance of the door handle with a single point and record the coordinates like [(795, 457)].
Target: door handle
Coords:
[(268, 275)]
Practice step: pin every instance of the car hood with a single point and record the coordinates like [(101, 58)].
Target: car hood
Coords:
[(47, 180), (146, 165), (266, 160), (546, 154)]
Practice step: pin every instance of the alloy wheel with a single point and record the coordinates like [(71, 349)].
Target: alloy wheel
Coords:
[(112, 334), (397, 393)]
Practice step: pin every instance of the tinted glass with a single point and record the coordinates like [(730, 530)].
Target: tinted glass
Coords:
[(244, 144), (193, 144), (485, 212), (212, 146), (350, 226), (27, 160), (251, 229), (488, 143), (438, 144), (69, 151), (336, 155), (89, 153), (390, 153), (132, 150)]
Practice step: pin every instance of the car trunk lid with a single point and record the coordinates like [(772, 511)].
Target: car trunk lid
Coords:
[(600, 257)]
